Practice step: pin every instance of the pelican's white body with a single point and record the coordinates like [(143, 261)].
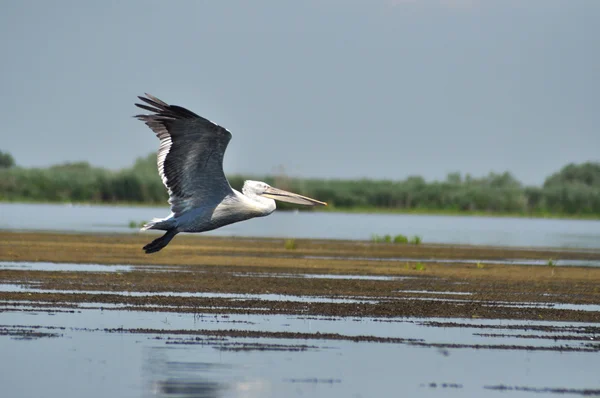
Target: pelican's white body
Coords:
[(233, 208)]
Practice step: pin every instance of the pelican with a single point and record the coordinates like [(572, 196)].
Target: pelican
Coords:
[(190, 165)]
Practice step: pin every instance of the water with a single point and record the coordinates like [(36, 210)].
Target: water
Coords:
[(77, 354), (517, 261), (96, 349), (66, 267), (503, 231), (12, 288), (74, 267)]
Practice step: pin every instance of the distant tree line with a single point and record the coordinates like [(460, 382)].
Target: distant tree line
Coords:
[(573, 190), (6, 160)]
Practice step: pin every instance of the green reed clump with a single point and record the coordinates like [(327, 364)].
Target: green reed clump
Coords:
[(381, 238), (290, 244), (416, 240), (136, 224), (400, 238), (419, 267)]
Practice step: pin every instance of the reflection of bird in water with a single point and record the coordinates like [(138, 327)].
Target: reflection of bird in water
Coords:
[(187, 388), (205, 388), (190, 164)]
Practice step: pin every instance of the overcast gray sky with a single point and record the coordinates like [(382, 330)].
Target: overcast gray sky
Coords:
[(345, 89)]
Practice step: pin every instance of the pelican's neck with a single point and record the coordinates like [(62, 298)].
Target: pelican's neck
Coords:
[(264, 206)]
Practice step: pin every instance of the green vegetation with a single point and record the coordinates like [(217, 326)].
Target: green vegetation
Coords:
[(416, 240), (419, 267), (400, 239), (573, 191), (136, 224), (381, 239), (6, 160), (290, 244)]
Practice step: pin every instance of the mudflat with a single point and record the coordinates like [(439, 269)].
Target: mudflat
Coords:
[(351, 278)]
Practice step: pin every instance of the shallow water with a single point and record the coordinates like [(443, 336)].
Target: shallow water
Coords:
[(92, 352), (323, 276), (516, 261), (87, 267), (506, 231), (69, 267), (97, 349), (11, 288), (78, 267), (31, 288)]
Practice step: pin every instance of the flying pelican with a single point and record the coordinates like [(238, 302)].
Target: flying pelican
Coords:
[(190, 164)]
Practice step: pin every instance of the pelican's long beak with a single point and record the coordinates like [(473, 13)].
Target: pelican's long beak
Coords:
[(285, 196)]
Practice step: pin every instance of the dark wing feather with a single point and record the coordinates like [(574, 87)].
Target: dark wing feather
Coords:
[(190, 155)]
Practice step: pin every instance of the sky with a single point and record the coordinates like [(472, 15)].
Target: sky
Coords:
[(381, 89)]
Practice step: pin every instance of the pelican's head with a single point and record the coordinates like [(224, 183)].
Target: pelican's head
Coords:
[(264, 190)]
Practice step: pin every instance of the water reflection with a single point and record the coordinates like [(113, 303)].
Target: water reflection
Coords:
[(169, 377), (116, 353)]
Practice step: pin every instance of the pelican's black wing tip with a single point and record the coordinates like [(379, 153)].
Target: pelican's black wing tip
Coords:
[(161, 108)]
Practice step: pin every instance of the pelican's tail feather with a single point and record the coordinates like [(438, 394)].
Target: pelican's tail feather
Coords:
[(159, 243), (164, 224)]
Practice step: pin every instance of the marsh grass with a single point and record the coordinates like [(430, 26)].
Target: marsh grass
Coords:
[(290, 244), (381, 238), (416, 240), (136, 224), (419, 267), (398, 239)]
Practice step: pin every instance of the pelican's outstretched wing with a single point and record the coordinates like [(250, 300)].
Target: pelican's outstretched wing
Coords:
[(190, 155)]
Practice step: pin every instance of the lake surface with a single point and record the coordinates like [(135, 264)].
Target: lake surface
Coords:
[(157, 348), (505, 231), (100, 350)]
